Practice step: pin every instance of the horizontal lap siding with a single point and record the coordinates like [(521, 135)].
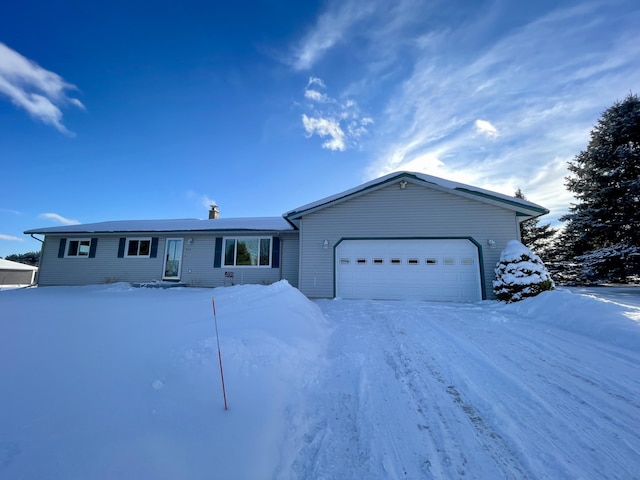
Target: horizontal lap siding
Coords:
[(197, 263), (106, 267), (289, 256), (198, 260), (394, 213)]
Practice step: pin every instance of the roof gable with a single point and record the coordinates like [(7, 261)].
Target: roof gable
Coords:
[(523, 208)]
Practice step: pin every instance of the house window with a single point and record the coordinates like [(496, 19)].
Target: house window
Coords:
[(79, 247), (138, 247), (247, 252)]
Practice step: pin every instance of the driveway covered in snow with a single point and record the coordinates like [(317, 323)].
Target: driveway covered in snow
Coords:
[(426, 390)]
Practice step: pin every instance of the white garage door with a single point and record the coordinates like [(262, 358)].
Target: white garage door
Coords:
[(438, 270)]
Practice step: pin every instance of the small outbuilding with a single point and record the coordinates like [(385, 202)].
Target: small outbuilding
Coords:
[(16, 274)]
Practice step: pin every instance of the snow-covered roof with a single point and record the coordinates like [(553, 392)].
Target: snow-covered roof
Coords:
[(272, 224), (522, 207), (9, 265)]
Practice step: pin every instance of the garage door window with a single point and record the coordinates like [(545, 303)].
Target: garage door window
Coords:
[(431, 261)]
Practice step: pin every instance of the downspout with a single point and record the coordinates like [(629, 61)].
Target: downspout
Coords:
[(36, 276)]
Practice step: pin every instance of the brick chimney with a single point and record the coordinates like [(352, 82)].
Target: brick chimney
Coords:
[(214, 213)]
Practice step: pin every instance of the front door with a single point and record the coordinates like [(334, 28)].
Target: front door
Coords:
[(172, 259)]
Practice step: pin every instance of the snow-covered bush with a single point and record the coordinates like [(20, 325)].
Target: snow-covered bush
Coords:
[(520, 274)]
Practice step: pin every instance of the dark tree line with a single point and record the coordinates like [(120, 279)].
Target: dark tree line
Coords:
[(29, 258)]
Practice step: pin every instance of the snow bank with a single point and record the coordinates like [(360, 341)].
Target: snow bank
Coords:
[(600, 320), (122, 382)]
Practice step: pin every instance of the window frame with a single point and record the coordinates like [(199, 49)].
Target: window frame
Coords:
[(67, 249), (139, 240), (235, 240)]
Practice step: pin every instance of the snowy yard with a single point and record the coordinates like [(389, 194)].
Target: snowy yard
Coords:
[(113, 382)]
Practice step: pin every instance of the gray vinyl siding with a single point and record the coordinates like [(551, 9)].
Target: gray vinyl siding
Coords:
[(106, 267), (416, 212), (197, 262), (16, 277), (289, 257)]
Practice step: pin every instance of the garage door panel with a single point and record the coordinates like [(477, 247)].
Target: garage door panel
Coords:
[(446, 270)]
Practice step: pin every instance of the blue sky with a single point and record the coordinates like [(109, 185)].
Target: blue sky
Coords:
[(144, 110)]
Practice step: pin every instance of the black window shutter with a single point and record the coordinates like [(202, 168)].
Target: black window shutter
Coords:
[(62, 247), (275, 253), (217, 254), (121, 247), (154, 247), (92, 247)]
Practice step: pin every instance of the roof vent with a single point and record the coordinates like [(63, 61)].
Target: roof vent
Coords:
[(214, 213)]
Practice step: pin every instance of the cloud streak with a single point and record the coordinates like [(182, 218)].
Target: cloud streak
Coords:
[(10, 238), (58, 219), (41, 93)]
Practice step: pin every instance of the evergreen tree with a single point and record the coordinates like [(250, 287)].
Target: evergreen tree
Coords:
[(603, 227), (537, 237)]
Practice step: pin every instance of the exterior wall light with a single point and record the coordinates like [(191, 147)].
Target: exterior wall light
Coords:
[(492, 243), (403, 184), (325, 244)]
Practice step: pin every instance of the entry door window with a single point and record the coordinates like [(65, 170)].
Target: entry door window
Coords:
[(173, 258)]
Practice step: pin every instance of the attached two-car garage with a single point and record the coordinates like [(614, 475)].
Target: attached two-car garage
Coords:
[(419, 269)]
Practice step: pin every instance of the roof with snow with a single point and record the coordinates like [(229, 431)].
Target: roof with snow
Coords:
[(523, 208), (266, 224), (9, 265)]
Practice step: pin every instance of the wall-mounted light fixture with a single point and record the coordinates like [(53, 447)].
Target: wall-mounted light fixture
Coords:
[(325, 244), (403, 184), (491, 243), (189, 241)]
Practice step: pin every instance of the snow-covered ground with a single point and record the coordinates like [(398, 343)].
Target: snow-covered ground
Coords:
[(115, 382)]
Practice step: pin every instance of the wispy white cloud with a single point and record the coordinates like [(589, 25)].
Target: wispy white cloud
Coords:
[(329, 29), (325, 127), (58, 218), (10, 210), (340, 122), (485, 127), (316, 81), (316, 96), (10, 238), (41, 93)]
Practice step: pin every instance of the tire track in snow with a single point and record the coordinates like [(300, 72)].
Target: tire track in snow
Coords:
[(419, 390), (416, 354)]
